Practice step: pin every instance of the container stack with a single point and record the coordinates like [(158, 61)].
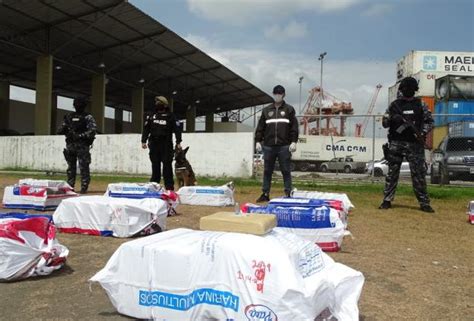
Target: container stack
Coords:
[(428, 67), (454, 99)]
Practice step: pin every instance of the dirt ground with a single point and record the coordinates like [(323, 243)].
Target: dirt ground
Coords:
[(417, 266)]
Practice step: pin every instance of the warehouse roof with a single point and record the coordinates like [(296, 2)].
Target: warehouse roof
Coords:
[(92, 36)]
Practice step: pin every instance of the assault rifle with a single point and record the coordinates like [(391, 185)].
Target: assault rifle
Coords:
[(409, 125)]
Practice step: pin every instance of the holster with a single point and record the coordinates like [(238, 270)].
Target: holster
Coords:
[(390, 155)]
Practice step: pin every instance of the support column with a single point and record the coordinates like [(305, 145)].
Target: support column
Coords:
[(118, 121), (44, 88), (98, 101), (138, 98), (4, 104), (191, 119), (171, 104), (54, 113), (210, 122)]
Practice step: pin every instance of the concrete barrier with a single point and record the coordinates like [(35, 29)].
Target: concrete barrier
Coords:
[(210, 154)]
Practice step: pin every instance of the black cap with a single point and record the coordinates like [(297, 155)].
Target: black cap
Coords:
[(408, 83), (279, 89)]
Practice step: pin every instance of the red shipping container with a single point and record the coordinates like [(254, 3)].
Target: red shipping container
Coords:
[(429, 101)]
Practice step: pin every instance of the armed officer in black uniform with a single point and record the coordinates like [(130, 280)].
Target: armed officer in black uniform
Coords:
[(80, 130), (158, 130), (408, 121)]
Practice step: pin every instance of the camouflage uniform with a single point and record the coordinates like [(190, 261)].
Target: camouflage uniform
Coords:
[(80, 129), (406, 118)]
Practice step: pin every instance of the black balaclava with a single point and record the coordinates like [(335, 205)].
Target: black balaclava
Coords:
[(80, 104), (408, 86)]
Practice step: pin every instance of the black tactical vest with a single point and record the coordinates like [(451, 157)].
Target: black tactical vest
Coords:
[(412, 113), (78, 122), (161, 125)]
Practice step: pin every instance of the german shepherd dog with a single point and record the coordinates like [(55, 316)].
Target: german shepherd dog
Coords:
[(182, 169)]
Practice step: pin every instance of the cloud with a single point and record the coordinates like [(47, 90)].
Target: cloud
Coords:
[(378, 9), (350, 80), (293, 30), (240, 12)]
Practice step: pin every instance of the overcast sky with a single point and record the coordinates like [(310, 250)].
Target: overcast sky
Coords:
[(276, 41), (273, 42)]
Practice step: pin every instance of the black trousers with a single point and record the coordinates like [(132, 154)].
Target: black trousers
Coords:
[(161, 152), (270, 155)]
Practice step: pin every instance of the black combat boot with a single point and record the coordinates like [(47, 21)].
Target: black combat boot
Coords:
[(263, 198), (427, 208), (385, 205)]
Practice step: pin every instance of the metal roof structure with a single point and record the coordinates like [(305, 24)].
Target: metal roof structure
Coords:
[(87, 37)]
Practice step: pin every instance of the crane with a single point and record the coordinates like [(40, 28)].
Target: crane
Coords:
[(322, 106), (360, 127)]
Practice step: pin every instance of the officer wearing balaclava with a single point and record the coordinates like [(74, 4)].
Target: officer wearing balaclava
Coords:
[(408, 121), (276, 135), (80, 129), (157, 134)]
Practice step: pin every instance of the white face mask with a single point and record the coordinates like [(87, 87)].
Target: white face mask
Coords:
[(278, 98)]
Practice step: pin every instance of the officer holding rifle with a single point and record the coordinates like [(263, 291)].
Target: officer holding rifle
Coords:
[(408, 121)]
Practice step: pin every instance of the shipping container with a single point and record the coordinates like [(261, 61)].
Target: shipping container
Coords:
[(324, 148), (426, 82), (454, 63), (438, 134), (429, 102), (393, 94), (451, 109), (461, 128), (454, 88)]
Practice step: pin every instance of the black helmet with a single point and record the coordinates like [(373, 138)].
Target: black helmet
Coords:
[(408, 83), (279, 89), (80, 103)]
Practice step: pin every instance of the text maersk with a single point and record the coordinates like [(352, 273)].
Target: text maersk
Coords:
[(458, 63), (187, 301), (350, 148)]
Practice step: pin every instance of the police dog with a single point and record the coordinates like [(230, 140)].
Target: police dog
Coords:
[(182, 169)]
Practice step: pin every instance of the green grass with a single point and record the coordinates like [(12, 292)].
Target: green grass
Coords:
[(435, 191), (18, 169)]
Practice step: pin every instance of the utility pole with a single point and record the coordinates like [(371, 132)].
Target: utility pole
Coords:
[(300, 81), (321, 58)]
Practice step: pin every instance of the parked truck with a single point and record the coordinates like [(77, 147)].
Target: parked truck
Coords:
[(343, 164), (453, 160)]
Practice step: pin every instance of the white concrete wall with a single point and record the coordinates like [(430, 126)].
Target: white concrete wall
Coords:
[(232, 127), (210, 154)]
